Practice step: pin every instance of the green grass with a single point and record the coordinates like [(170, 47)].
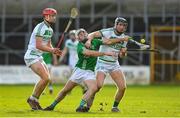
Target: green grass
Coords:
[(139, 101)]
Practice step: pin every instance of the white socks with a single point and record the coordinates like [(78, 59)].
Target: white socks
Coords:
[(33, 98)]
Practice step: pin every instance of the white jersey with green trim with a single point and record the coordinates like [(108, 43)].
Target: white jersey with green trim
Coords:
[(42, 30), (72, 48), (109, 33)]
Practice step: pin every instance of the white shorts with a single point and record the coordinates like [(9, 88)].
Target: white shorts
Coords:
[(72, 63), (31, 59), (106, 67), (79, 75)]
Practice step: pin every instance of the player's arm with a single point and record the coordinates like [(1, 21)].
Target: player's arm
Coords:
[(94, 35), (93, 53), (114, 40), (40, 46), (64, 52), (49, 44), (81, 49), (55, 60), (91, 36)]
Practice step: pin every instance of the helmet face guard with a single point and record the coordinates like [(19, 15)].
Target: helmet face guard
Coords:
[(84, 38), (49, 11), (79, 31), (121, 20), (72, 32)]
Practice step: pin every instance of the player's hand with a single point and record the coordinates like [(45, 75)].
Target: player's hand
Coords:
[(56, 51), (126, 38), (143, 46), (88, 44), (123, 52)]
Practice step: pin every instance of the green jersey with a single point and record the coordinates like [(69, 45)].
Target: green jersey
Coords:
[(47, 57), (87, 62)]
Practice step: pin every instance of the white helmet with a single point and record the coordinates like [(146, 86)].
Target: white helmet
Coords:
[(72, 32), (120, 19), (79, 31)]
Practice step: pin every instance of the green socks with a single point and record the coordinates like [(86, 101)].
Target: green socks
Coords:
[(115, 104), (54, 104), (82, 103)]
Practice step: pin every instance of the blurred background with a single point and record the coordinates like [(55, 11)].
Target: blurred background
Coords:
[(157, 21)]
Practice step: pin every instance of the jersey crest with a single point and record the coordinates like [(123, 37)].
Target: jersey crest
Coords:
[(47, 35)]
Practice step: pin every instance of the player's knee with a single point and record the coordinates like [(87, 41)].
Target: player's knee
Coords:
[(98, 89), (122, 88), (46, 79), (99, 86), (94, 89)]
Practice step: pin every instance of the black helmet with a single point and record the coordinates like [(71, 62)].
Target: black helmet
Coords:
[(120, 20)]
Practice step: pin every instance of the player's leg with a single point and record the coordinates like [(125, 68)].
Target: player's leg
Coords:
[(100, 77), (61, 95), (91, 100), (84, 88), (120, 82), (41, 71), (92, 89), (101, 70), (72, 64), (48, 67), (50, 87)]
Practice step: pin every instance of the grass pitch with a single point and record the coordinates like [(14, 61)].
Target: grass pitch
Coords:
[(139, 101)]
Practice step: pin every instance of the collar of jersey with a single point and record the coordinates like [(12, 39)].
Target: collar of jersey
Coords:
[(47, 24), (117, 33)]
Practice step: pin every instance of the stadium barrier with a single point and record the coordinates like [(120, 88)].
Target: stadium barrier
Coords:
[(24, 75)]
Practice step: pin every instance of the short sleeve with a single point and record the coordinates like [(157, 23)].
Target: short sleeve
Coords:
[(106, 32), (102, 32), (39, 31)]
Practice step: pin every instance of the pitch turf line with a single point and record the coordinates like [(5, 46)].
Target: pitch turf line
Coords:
[(139, 101)]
